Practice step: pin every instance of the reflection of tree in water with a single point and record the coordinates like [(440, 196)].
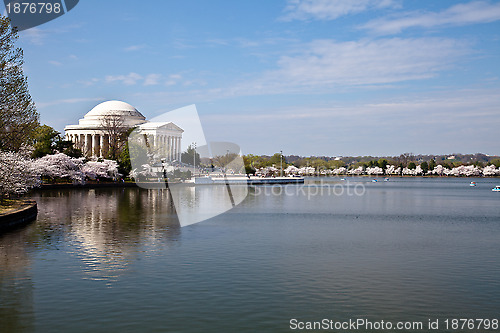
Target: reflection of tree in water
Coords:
[(16, 286), (104, 228), (109, 226)]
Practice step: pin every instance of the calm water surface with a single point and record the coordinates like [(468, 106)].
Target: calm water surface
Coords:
[(116, 260)]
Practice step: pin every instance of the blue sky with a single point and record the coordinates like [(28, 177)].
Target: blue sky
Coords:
[(309, 77)]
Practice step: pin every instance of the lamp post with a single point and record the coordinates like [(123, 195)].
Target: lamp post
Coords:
[(281, 163)]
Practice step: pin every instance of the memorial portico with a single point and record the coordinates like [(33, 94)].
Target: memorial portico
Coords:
[(93, 136)]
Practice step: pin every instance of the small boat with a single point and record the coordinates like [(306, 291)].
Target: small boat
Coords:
[(342, 178), (472, 184), (386, 179), (374, 180), (496, 189)]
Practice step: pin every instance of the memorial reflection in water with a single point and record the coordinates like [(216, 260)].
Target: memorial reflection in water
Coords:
[(105, 229)]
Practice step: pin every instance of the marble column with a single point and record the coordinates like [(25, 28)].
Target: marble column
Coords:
[(101, 146), (169, 147), (96, 143), (88, 144), (179, 147), (106, 144), (164, 145), (174, 149)]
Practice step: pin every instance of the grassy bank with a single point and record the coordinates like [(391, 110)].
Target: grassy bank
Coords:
[(9, 205)]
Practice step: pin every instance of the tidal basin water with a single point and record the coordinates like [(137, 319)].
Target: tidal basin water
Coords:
[(116, 260)]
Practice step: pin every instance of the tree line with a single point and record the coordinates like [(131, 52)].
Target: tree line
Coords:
[(406, 160)]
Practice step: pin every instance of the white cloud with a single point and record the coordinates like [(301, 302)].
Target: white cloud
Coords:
[(129, 79), (173, 79), (35, 36), (67, 101), (460, 14), (430, 107), (55, 63), (327, 63), (428, 122), (133, 78), (89, 82), (152, 79), (331, 9), (325, 66)]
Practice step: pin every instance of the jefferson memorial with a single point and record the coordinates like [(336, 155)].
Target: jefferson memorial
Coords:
[(92, 135)]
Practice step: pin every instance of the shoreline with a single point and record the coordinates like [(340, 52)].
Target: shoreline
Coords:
[(19, 216), (252, 179)]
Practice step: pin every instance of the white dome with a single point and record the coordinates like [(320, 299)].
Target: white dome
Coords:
[(130, 115), (115, 108)]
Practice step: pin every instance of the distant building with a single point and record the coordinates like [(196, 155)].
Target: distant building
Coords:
[(92, 134)]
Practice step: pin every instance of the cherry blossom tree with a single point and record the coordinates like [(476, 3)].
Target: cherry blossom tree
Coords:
[(291, 170), (104, 169), (17, 174), (307, 171), (268, 171), (76, 169), (340, 171), (60, 166), (439, 170), (490, 170), (358, 171), (392, 170), (374, 171)]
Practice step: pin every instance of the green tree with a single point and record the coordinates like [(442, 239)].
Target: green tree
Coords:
[(479, 164), (412, 165), (190, 155), (255, 161), (335, 164), (432, 164), (276, 160), (319, 164), (496, 162), (359, 164), (249, 168), (446, 165), (425, 167), (18, 115), (49, 141), (303, 162), (124, 163), (382, 163), (45, 141)]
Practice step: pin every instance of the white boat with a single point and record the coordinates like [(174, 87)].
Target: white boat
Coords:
[(472, 184), (374, 180), (386, 179), (496, 189)]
